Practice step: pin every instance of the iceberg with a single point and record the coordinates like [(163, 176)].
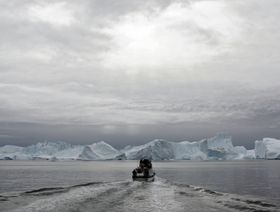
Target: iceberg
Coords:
[(158, 149), (219, 147), (49, 151), (61, 151), (7, 149), (45, 149), (104, 150), (250, 154), (186, 150), (77, 152), (268, 148), (220, 142)]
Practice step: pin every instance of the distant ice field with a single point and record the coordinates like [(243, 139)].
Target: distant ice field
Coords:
[(179, 186)]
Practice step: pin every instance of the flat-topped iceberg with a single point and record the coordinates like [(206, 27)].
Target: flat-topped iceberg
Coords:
[(268, 148), (59, 151)]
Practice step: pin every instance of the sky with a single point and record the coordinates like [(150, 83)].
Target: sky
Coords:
[(130, 71)]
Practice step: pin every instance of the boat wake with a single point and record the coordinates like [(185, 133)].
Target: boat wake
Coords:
[(160, 195)]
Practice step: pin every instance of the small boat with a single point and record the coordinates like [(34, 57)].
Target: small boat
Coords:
[(144, 172)]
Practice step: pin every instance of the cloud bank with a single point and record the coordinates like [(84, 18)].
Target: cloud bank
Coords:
[(129, 65)]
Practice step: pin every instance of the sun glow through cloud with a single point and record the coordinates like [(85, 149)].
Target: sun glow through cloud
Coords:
[(177, 36)]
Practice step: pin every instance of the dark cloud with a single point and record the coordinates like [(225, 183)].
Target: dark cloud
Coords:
[(130, 71)]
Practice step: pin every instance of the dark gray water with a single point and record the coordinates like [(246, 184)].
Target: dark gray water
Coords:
[(256, 177), (222, 186)]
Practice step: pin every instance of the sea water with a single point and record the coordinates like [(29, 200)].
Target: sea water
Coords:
[(220, 185)]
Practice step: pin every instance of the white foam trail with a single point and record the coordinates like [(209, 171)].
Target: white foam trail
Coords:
[(71, 199), (128, 196)]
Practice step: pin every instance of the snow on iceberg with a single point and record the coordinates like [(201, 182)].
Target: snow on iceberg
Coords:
[(268, 148)]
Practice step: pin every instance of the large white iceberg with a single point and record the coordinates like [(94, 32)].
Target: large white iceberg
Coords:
[(158, 149), (268, 148), (59, 150), (216, 148)]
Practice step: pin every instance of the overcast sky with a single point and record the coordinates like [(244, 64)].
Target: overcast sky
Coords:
[(129, 71)]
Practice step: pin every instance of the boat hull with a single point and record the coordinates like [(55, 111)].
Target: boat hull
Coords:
[(149, 178)]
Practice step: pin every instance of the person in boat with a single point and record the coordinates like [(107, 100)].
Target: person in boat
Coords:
[(144, 166), (145, 163)]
